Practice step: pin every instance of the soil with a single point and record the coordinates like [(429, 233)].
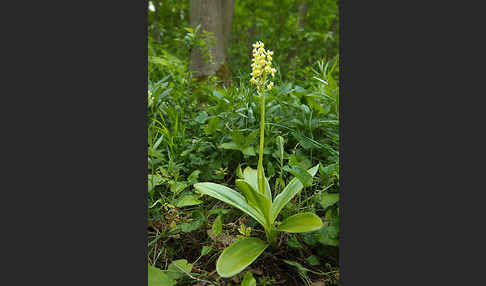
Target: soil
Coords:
[(269, 265)]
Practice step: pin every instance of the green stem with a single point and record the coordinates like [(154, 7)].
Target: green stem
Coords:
[(272, 236), (260, 172)]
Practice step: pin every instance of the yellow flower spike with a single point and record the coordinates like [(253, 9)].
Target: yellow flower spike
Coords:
[(261, 67), (273, 71), (270, 85)]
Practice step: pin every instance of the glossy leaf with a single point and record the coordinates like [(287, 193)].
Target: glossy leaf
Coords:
[(251, 177), (239, 255), (248, 280), (229, 145), (248, 151), (157, 277), (188, 200), (301, 174), (177, 187), (328, 200), (324, 236), (230, 197), (206, 249), (255, 199), (174, 269), (239, 173), (217, 225), (289, 192), (302, 222)]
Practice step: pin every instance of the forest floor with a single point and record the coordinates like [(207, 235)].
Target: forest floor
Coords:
[(269, 269)]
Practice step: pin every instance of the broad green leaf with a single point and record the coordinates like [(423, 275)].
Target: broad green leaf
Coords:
[(217, 225), (301, 174), (248, 280), (194, 176), (303, 222), (288, 193), (230, 197), (255, 199), (239, 173), (157, 277), (177, 187), (174, 269), (229, 145), (188, 200), (248, 151), (330, 170), (236, 257), (324, 237), (206, 249), (251, 177), (300, 160), (328, 200)]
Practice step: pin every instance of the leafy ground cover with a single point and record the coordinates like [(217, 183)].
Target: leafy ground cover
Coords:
[(207, 131)]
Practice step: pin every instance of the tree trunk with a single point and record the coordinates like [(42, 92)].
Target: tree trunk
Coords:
[(156, 21), (215, 17), (228, 12), (251, 34), (303, 8)]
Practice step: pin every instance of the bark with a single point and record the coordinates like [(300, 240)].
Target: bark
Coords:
[(156, 21), (211, 15), (303, 8), (228, 12)]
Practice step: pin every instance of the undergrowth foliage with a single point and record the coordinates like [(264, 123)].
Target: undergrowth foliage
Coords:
[(248, 143)]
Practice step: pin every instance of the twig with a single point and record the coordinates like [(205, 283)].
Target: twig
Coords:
[(198, 279)]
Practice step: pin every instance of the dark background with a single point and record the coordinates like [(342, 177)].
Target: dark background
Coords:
[(75, 138)]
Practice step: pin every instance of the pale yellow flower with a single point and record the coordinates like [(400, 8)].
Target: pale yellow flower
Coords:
[(273, 71), (261, 67), (270, 85)]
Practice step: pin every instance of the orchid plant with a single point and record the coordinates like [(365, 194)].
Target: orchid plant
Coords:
[(255, 198)]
